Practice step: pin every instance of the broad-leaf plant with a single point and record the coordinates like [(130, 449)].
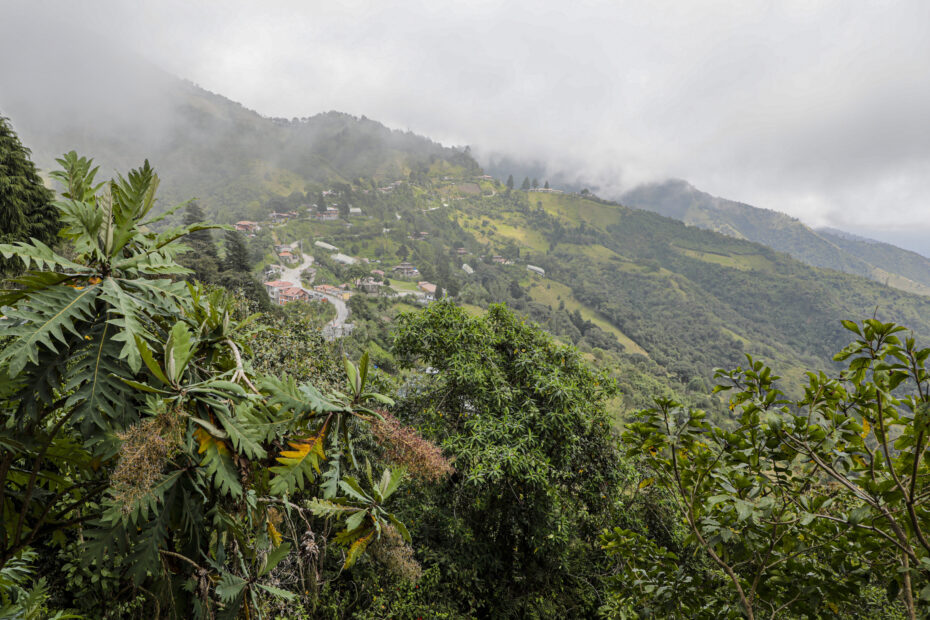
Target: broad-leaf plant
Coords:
[(801, 504), (131, 420)]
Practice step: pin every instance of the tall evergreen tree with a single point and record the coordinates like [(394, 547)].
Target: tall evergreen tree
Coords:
[(535, 183), (202, 257), (237, 254), (200, 241), (510, 182), (26, 209), (526, 183), (547, 184)]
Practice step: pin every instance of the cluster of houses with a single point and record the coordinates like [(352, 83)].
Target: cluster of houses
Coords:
[(245, 226), (277, 218), (282, 292), (390, 188), (406, 270), (326, 215), (331, 213), (342, 291)]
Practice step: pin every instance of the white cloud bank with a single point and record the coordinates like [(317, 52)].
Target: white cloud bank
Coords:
[(818, 109)]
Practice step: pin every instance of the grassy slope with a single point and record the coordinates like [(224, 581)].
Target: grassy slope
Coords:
[(731, 290), (885, 263)]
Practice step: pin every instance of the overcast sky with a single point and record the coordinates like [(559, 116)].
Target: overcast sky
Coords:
[(817, 109)]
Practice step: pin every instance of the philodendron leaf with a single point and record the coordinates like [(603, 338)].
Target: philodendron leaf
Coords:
[(178, 350), (352, 374), (363, 372)]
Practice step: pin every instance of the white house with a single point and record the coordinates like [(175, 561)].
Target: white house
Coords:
[(537, 270), (467, 268), (355, 212), (344, 259)]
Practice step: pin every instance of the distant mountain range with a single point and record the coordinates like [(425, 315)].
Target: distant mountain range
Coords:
[(825, 247)]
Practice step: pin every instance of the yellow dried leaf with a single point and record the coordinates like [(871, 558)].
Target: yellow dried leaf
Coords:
[(300, 450), (205, 439), (273, 533)]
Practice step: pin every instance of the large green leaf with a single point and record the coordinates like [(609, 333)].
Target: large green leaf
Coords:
[(45, 318), (94, 380), (230, 587), (245, 439), (300, 463), (41, 256), (178, 351), (127, 316)]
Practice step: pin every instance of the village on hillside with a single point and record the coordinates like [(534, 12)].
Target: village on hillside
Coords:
[(318, 257)]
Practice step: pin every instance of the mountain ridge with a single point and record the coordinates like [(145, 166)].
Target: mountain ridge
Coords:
[(877, 260)]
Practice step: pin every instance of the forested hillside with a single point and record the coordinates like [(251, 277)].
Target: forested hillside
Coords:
[(883, 262)]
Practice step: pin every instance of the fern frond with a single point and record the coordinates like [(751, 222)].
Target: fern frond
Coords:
[(138, 511), (43, 319), (127, 318), (218, 464), (299, 463), (97, 394), (358, 547), (41, 256), (230, 588), (31, 282), (245, 439), (330, 508), (300, 401)]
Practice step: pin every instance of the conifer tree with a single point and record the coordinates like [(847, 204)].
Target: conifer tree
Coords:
[(510, 182), (25, 203), (237, 255), (526, 183), (201, 241)]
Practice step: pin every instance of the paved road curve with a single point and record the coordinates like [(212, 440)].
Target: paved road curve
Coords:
[(292, 274)]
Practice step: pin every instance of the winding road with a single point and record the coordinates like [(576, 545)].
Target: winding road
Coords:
[(292, 274)]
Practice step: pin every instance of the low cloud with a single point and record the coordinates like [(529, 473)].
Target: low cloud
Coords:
[(815, 109)]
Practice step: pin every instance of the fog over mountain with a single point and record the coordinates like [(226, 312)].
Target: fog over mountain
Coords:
[(817, 110)]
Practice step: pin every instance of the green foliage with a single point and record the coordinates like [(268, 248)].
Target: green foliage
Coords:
[(18, 601), (237, 255), (26, 211), (524, 420), (831, 486), (885, 263), (131, 413), (365, 518)]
